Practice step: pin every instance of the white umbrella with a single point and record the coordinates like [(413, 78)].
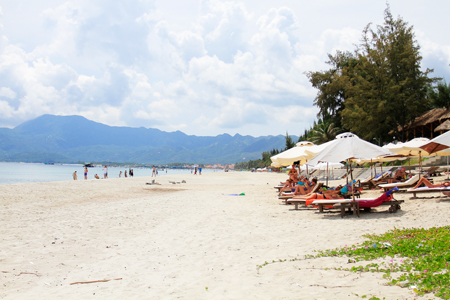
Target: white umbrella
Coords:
[(346, 147), (439, 145), (412, 148), (292, 155)]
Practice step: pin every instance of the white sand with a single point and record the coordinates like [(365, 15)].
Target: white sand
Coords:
[(186, 241)]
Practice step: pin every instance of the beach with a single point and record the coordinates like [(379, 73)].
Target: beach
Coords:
[(193, 240)]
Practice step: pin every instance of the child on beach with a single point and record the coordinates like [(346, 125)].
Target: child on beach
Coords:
[(75, 177)]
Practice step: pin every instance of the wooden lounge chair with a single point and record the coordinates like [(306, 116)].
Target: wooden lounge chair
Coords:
[(406, 184), (365, 183), (344, 203), (355, 205), (420, 190), (381, 177), (285, 197)]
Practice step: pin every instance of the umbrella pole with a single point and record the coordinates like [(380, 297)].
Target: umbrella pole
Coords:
[(371, 167), (346, 177), (420, 164), (355, 208), (447, 169), (409, 163), (327, 173)]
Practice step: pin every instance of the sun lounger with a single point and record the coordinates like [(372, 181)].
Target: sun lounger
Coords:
[(419, 190), (344, 203), (360, 203), (394, 205), (431, 171), (285, 197), (371, 183), (405, 184)]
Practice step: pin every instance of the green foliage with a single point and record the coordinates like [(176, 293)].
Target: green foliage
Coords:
[(289, 142), (380, 87), (422, 258), (416, 258), (440, 95), (332, 86), (259, 163), (323, 132)]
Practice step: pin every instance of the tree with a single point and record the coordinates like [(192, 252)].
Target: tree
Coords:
[(387, 88), (323, 132), (332, 86), (440, 95), (289, 142)]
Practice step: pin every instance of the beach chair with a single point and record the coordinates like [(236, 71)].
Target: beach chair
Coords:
[(379, 179), (401, 185), (365, 183), (366, 203), (420, 190), (286, 197)]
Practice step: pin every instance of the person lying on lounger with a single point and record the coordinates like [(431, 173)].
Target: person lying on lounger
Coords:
[(426, 182), (288, 186), (305, 187)]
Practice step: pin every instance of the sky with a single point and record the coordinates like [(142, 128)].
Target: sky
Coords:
[(203, 67)]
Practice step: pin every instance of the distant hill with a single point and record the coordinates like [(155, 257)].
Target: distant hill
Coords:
[(68, 139)]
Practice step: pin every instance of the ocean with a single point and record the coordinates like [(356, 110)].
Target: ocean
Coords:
[(12, 172)]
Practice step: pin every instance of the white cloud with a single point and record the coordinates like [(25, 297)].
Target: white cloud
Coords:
[(227, 66), (7, 93)]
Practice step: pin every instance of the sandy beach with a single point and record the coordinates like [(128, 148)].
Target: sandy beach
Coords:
[(187, 241)]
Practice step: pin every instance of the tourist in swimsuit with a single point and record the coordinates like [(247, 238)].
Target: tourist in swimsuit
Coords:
[(426, 182), (288, 186), (85, 172)]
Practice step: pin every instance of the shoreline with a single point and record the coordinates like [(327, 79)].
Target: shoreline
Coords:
[(189, 240)]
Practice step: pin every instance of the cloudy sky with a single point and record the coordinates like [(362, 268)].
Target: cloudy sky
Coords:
[(202, 67)]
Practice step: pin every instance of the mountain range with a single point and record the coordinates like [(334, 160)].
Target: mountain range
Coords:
[(71, 139)]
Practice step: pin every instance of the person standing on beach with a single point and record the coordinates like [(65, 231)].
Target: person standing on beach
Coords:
[(126, 174), (120, 174), (75, 177), (199, 171), (154, 171), (105, 172), (85, 172)]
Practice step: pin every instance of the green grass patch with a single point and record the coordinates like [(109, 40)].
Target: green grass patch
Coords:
[(417, 258), (422, 258)]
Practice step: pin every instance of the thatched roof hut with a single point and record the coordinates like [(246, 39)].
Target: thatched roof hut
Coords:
[(428, 123), (443, 127)]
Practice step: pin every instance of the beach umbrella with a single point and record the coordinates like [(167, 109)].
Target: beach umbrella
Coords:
[(346, 147), (412, 148), (439, 145), (293, 154)]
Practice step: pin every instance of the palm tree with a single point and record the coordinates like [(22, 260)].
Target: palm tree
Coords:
[(324, 132)]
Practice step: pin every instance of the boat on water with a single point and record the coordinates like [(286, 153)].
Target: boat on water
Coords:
[(89, 165)]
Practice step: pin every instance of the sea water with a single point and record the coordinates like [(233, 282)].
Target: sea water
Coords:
[(11, 172)]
